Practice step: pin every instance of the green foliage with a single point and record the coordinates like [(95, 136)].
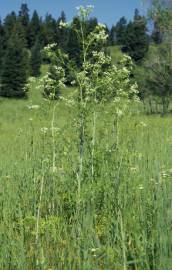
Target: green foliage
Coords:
[(115, 53), (14, 73), (95, 78), (85, 182), (154, 77), (24, 20), (123, 210), (2, 45), (62, 33), (136, 41), (161, 13), (49, 30), (112, 36), (53, 82), (120, 31), (54, 79), (74, 47), (35, 29), (36, 59), (158, 73), (9, 24), (156, 34)]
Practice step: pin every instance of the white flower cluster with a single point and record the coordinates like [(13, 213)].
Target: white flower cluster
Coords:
[(52, 82), (84, 12), (63, 24), (44, 130), (33, 107), (101, 58), (100, 33), (50, 46)]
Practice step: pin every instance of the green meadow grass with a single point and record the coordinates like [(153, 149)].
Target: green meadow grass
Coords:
[(115, 53), (121, 218)]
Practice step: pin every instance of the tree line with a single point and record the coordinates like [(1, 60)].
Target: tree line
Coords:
[(22, 38)]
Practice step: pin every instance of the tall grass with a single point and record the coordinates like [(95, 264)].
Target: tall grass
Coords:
[(122, 217)]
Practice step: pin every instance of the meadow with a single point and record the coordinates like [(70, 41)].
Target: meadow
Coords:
[(118, 217)]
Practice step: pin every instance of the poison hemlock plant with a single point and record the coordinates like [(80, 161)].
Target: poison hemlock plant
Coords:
[(96, 83)]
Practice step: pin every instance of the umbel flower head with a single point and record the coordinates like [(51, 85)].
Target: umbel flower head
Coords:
[(84, 12), (96, 79)]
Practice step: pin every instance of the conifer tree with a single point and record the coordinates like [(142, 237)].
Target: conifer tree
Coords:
[(1, 45), (120, 31), (156, 34), (21, 33), (34, 29), (14, 74), (24, 20), (91, 25), (112, 36), (36, 59), (136, 42), (24, 15), (9, 24), (49, 30), (74, 46), (62, 33)]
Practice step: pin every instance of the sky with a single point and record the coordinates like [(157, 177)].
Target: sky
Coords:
[(107, 11)]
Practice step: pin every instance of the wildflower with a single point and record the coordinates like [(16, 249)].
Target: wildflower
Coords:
[(133, 169), (33, 107), (73, 82), (50, 46), (31, 80), (119, 113), (101, 25), (141, 187), (62, 24), (55, 129), (44, 130), (116, 99), (143, 124), (140, 156), (164, 175), (53, 169), (93, 249)]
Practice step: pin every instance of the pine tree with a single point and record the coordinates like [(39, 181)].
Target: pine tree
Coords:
[(1, 45), (136, 42), (35, 29), (91, 25), (49, 30), (120, 31), (62, 36), (9, 24), (24, 20), (21, 33), (156, 34), (36, 59), (14, 74), (24, 15), (112, 36), (74, 47)]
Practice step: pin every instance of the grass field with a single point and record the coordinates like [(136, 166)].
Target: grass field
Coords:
[(118, 217)]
